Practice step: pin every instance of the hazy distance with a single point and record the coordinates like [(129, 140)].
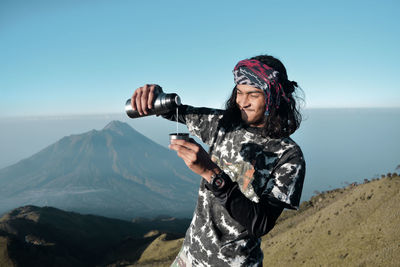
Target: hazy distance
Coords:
[(340, 145)]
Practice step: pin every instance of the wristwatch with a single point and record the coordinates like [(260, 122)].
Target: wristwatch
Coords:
[(217, 181)]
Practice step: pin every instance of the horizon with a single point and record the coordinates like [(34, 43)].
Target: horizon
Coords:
[(348, 132), (77, 115)]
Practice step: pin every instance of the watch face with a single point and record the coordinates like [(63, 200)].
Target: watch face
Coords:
[(219, 182)]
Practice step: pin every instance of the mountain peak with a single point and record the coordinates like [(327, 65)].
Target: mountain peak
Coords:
[(118, 126)]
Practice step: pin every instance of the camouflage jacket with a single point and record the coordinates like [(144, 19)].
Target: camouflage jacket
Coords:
[(264, 176)]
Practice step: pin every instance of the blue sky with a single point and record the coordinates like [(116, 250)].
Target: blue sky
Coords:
[(87, 57)]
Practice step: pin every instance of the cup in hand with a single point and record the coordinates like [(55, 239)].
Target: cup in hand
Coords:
[(179, 136)]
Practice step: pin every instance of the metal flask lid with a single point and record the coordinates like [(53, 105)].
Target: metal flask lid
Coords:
[(170, 100)]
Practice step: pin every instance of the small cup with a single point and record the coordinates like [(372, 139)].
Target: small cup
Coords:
[(178, 136)]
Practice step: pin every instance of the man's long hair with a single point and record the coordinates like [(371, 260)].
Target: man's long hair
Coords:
[(283, 120)]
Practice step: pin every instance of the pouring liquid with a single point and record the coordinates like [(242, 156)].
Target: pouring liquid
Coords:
[(177, 135), (177, 124)]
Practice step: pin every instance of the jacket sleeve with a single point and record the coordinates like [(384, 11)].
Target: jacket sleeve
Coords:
[(258, 218), (201, 122), (287, 178)]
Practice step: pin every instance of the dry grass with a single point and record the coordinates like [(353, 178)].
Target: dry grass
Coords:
[(355, 227), (161, 252)]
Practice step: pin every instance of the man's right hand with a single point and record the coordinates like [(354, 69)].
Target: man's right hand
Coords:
[(142, 98)]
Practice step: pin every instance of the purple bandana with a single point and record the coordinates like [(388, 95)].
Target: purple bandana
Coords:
[(254, 73)]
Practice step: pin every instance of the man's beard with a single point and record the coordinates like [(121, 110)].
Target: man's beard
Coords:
[(255, 123)]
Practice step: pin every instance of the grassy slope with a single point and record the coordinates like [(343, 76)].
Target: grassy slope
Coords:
[(161, 252), (353, 227), (356, 226)]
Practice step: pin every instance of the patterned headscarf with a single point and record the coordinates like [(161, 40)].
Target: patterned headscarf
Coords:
[(255, 73)]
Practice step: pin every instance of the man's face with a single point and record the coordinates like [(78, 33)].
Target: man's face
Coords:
[(251, 102)]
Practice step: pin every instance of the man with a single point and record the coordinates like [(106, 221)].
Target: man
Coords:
[(253, 169)]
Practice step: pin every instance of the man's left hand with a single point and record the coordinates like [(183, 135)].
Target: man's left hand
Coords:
[(195, 157)]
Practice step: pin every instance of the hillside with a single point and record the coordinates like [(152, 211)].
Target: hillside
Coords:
[(356, 226), (353, 226), (33, 236)]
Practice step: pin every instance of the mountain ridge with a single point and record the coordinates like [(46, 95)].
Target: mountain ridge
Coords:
[(34, 236)]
